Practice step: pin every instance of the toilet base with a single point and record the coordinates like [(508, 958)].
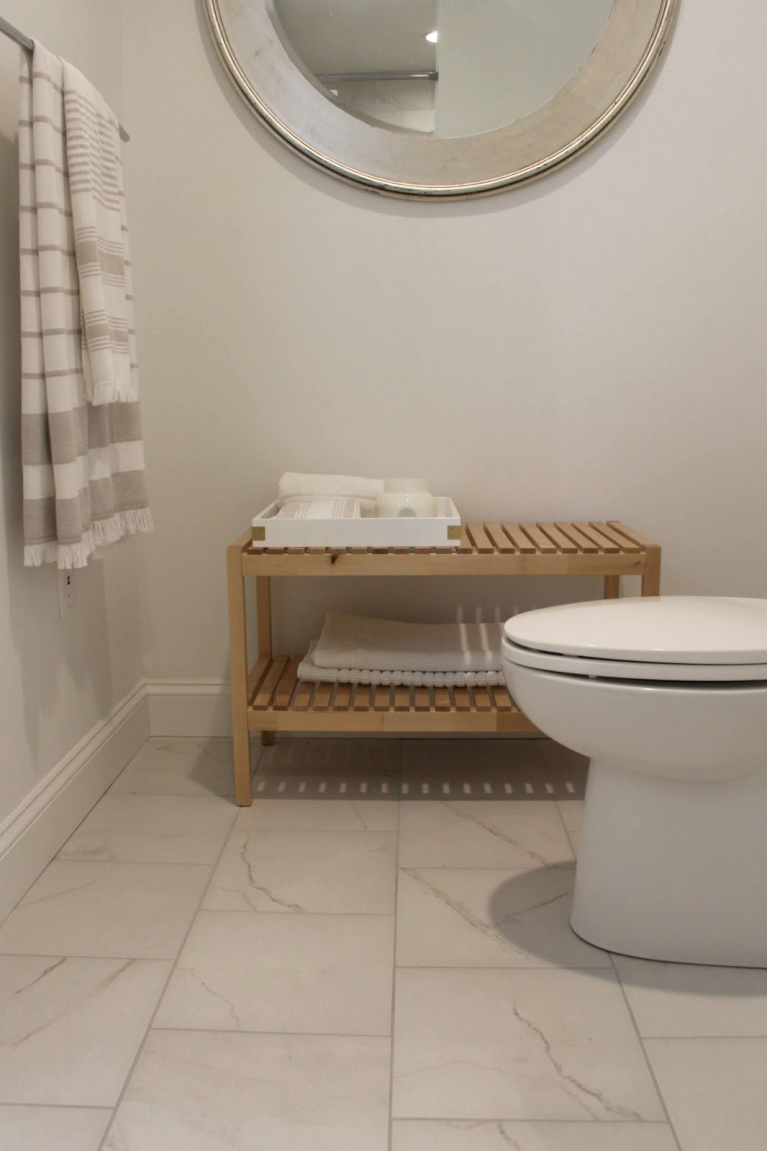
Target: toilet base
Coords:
[(674, 870)]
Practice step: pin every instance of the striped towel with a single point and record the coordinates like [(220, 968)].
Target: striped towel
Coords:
[(82, 453)]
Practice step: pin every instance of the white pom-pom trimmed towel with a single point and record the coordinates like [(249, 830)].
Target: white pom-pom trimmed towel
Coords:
[(82, 452), (356, 642), (308, 669)]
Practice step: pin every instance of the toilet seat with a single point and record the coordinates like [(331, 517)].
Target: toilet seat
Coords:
[(661, 639)]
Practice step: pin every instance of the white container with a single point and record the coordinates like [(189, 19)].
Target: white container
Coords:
[(442, 530), (406, 497)]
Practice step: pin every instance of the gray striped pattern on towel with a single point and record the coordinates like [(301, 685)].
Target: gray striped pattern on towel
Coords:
[(82, 452)]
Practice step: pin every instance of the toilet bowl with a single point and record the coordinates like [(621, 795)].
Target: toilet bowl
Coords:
[(667, 696)]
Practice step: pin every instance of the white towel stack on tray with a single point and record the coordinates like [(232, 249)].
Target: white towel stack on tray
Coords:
[(309, 486), (356, 649), (320, 508)]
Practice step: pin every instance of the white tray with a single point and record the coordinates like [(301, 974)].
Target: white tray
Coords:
[(442, 530)]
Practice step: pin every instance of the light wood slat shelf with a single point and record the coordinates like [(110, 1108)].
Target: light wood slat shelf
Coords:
[(286, 704), (268, 696)]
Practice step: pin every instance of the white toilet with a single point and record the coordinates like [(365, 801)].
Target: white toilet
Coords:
[(667, 696)]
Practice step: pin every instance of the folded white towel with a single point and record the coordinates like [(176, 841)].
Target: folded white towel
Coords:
[(349, 641), (308, 669), (299, 484), (320, 508)]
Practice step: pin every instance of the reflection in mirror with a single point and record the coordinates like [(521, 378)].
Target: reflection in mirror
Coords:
[(443, 68), (510, 90)]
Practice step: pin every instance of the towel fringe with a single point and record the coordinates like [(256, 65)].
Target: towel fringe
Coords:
[(76, 555), (112, 392)]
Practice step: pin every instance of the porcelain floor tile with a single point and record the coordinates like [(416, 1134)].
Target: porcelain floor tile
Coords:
[(332, 756), (326, 786), (679, 1000), (304, 814), (319, 974), (152, 829), (489, 918), (70, 1028), (310, 871), (471, 755), (135, 910), (468, 834), (502, 1135), (52, 1128), (478, 769), (230, 1092), (521, 1044), (571, 811), (564, 766), (714, 1091), (180, 767)]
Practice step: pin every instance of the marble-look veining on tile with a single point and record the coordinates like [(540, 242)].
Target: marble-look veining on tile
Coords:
[(232, 1092), (680, 1000), (179, 767), (152, 829), (29, 1128), (309, 871), (305, 814), (510, 1135), (489, 918), (136, 910), (714, 1090), (318, 974), (571, 811), (468, 834), (510, 1032), (522, 1044), (70, 1028)]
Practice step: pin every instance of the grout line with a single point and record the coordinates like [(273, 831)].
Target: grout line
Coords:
[(703, 1038), (173, 964), (645, 1054), (67, 1106), (390, 1124), (165, 795), (632, 1124), (122, 862), (556, 865), (547, 968), (279, 1034)]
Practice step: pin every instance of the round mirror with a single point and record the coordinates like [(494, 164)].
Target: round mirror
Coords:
[(439, 98)]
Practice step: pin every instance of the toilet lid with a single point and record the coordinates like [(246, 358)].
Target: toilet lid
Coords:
[(692, 630)]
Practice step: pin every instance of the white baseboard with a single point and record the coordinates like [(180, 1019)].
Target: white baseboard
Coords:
[(41, 825), (189, 707)]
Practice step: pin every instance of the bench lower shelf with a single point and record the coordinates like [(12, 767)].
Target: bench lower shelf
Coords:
[(279, 701), (270, 698)]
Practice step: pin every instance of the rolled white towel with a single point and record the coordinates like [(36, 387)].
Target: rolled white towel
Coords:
[(301, 484)]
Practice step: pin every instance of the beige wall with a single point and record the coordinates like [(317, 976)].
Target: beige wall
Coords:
[(590, 346), (59, 678)]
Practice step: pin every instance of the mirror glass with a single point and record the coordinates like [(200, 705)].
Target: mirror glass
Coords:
[(439, 98), (441, 67)]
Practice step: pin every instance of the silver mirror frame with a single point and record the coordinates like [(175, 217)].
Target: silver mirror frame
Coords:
[(293, 106)]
